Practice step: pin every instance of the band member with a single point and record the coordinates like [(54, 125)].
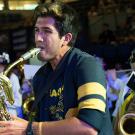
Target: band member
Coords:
[(75, 104)]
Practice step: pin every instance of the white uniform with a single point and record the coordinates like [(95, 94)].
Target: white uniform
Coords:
[(12, 109)]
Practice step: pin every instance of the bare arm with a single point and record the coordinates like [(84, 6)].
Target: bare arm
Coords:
[(72, 126)]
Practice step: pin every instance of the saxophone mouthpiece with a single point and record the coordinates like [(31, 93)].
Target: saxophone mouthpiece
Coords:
[(30, 54)]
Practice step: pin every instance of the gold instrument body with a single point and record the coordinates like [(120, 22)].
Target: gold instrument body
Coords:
[(28, 101), (28, 104), (126, 123), (6, 86)]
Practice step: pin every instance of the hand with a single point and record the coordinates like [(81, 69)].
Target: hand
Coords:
[(15, 127)]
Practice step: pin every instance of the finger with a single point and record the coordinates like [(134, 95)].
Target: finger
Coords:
[(7, 124), (3, 124), (3, 130), (14, 117), (8, 131)]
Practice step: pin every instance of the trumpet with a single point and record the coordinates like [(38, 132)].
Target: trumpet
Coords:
[(5, 84)]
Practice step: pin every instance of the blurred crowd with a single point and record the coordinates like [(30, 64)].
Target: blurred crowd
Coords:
[(122, 31), (100, 7)]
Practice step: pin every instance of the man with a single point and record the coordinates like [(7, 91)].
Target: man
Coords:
[(76, 102)]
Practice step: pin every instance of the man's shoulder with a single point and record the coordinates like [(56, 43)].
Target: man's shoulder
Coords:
[(81, 55), (39, 75), (82, 60)]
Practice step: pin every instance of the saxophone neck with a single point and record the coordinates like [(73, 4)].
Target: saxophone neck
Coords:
[(10, 67), (31, 53)]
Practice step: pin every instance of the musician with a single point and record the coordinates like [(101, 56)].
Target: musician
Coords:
[(75, 103), (126, 103)]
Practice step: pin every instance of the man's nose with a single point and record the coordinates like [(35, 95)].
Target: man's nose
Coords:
[(40, 36)]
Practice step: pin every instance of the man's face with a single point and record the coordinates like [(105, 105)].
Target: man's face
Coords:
[(47, 38)]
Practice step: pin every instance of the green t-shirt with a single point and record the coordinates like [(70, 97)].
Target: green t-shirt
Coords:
[(80, 91)]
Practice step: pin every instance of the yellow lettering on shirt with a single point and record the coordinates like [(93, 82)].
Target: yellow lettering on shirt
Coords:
[(56, 93)]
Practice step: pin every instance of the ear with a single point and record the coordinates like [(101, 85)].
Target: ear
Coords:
[(67, 38)]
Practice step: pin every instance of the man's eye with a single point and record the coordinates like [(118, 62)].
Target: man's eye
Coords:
[(47, 31), (35, 29)]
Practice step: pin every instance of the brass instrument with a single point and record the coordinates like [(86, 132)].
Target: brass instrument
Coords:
[(28, 102), (5, 84), (126, 116), (126, 124)]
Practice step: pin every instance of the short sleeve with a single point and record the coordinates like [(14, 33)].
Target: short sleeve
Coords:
[(91, 92)]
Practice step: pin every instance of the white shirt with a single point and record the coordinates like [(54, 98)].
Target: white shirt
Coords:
[(12, 109), (123, 91)]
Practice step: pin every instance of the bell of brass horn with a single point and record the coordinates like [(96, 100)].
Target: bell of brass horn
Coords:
[(127, 124)]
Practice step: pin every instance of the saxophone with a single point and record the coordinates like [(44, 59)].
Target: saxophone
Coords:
[(6, 86)]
